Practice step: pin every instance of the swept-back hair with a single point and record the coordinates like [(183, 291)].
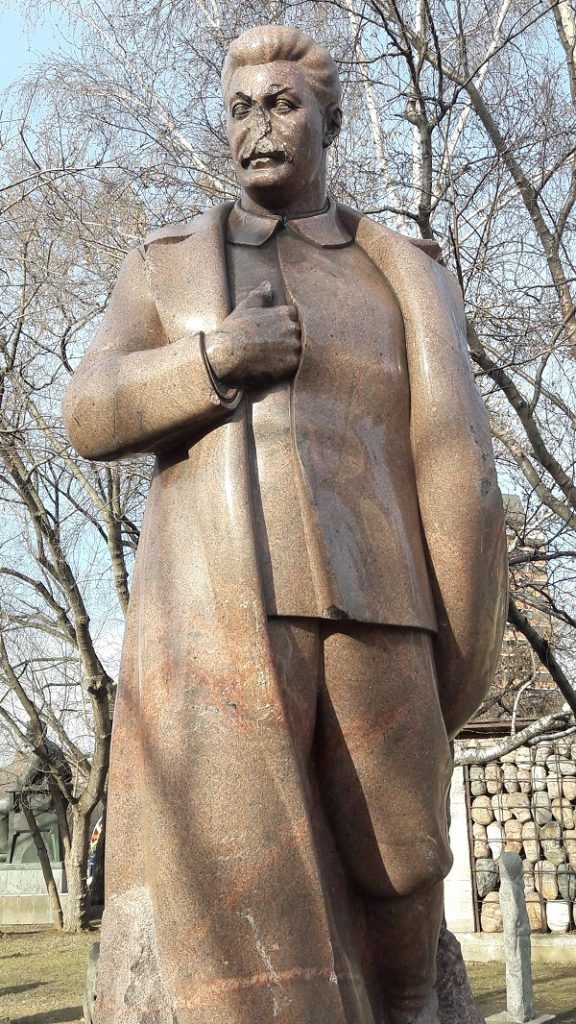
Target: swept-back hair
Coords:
[(268, 43)]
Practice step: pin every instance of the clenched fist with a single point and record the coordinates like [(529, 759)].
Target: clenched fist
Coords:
[(258, 343)]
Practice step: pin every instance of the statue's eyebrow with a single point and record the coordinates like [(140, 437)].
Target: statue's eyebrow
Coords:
[(271, 92)]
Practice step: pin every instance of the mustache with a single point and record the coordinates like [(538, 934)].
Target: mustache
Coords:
[(265, 148)]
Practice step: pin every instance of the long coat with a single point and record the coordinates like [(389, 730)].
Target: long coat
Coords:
[(225, 901)]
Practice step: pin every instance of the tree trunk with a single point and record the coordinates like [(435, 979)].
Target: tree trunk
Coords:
[(76, 916), (51, 887)]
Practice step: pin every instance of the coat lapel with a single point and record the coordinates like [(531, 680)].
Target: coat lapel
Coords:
[(191, 290)]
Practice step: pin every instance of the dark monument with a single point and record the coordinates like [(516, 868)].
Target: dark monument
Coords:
[(20, 871), (320, 590), (16, 843)]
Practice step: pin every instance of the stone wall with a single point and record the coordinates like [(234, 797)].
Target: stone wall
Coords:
[(525, 803)]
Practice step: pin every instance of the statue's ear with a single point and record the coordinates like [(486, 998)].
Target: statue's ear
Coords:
[(332, 124)]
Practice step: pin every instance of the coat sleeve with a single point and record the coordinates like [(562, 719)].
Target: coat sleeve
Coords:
[(133, 392), (460, 504)]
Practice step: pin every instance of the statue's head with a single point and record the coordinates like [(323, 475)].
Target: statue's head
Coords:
[(282, 95)]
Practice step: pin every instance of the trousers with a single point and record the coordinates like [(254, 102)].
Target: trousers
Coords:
[(363, 707)]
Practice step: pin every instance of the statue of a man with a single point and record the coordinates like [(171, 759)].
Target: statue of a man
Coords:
[(319, 593)]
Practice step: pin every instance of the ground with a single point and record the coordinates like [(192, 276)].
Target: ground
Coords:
[(554, 989), (42, 975), (42, 980)]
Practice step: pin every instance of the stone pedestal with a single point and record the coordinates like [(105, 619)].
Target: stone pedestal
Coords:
[(23, 896), (506, 1018), (27, 879)]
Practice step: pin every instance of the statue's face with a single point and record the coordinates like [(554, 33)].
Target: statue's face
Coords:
[(276, 132)]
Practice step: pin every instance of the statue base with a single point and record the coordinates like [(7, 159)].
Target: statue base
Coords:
[(508, 1018)]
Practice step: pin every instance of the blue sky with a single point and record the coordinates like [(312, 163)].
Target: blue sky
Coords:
[(22, 45)]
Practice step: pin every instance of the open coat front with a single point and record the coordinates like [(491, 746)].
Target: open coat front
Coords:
[(225, 900)]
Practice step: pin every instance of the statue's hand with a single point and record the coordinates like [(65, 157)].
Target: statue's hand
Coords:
[(258, 343)]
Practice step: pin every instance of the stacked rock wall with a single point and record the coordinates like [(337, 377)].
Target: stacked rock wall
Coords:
[(525, 803)]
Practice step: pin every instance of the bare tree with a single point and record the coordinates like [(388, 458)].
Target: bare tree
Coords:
[(69, 532)]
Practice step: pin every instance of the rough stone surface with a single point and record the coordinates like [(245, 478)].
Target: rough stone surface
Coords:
[(534, 817), (569, 788), (493, 777), (490, 914), (570, 840), (519, 995), (553, 852), (551, 830), (554, 785), (133, 982), (481, 810), (478, 788), (567, 882), (513, 846), (528, 876), (519, 805), (546, 880), (487, 876), (513, 829), (496, 838), (500, 806), (570, 845), (553, 848), (91, 981), (536, 910), (541, 808), (563, 812), (532, 850), (455, 1000), (558, 915), (538, 777), (523, 757), (510, 774)]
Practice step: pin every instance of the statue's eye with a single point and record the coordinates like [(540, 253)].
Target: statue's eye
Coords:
[(240, 110), (284, 106)]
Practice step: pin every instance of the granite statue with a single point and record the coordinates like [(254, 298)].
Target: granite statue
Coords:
[(517, 940), (319, 593)]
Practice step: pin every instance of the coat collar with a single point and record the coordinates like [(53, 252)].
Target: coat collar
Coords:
[(324, 228), (191, 290)]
